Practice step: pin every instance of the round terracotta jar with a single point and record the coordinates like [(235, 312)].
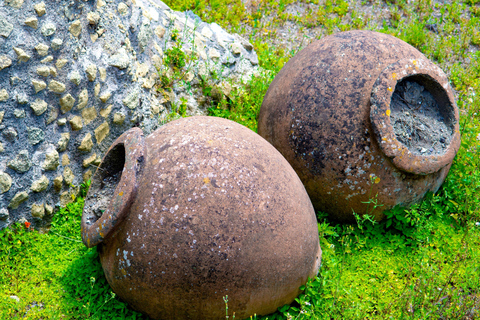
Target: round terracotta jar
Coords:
[(347, 114), (200, 209)]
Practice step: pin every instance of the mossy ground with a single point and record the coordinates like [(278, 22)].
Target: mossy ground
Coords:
[(421, 263)]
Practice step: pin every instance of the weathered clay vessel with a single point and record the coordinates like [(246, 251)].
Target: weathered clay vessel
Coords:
[(200, 209), (347, 113)]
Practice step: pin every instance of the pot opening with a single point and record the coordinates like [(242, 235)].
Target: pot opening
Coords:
[(104, 183), (422, 116)]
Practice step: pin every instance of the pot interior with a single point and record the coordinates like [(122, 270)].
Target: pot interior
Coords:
[(104, 183), (422, 116)]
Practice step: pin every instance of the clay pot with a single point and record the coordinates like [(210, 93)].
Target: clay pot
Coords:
[(200, 209), (347, 114)]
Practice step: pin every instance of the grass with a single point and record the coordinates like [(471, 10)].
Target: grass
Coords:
[(420, 263)]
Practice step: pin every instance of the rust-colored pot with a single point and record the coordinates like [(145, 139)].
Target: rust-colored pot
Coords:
[(347, 113), (200, 209)]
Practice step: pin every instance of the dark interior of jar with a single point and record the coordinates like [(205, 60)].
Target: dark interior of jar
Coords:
[(422, 116), (104, 183)]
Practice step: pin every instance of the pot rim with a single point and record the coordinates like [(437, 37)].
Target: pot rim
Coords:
[(125, 191), (380, 99)]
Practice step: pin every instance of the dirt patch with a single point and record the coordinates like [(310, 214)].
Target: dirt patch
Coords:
[(417, 120)]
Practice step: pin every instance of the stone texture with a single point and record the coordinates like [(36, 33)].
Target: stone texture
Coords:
[(66, 103), (68, 176), (56, 86), (102, 131), (76, 123), (91, 72), (22, 56), (63, 142), (40, 184), (40, 8), (3, 95), (88, 161), (39, 106), (21, 163), (35, 135), (42, 49), (57, 183), (18, 199), (82, 99), (75, 28), (32, 22), (38, 210), (51, 160), (5, 182), (50, 50), (87, 144), (5, 62), (38, 85)]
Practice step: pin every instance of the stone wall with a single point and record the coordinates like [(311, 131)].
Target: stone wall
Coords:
[(74, 75)]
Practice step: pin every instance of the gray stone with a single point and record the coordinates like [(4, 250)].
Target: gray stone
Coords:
[(51, 160), (18, 199), (120, 59), (40, 8), (38, 210), (4, 215), (35, 135), (56, 44), (5, 62), (48, 29), (75, 77), (32, 22), (66, 103), (40, 184), (131, 100), (93, 18), (22, 56), (82, 99), (38, 85), (48, 210), (91, 72), (10, 134), (56, 86), (5, 182), (63, 142), (52, 115), (144, 35), (19, 113), (39, 106), (5, 27), (22, 98), (21, 163)]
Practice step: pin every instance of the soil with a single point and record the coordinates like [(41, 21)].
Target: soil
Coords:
[(99, 197), (417, 121)]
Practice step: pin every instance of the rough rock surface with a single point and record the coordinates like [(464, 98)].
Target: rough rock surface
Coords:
[(74, 75)]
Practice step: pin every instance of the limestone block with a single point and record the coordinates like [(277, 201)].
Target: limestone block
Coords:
[(40, 184), (89, 114), (51, 160), (68, 176), (40, 8), (66, 103), (76, 123), (22, 56), (63, 142), (18, 199), (118, 118), (42, 49), (87, 144), (38, 85), (75, 28), (82, 99), (3, 95), (102, 131), (56, 86), (5, 182), (5, 62), (21, 163), (38, 210), (57, 183), (91, 72), (38, 106), (32, 22)]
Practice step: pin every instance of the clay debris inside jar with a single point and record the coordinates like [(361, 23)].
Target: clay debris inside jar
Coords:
[(417, 120), (98, 198)]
